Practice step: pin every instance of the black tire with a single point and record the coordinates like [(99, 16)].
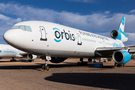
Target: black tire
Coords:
[(45, 67), (89, 59), (78, 64), (30, 60), (85, 63), (12, 60)]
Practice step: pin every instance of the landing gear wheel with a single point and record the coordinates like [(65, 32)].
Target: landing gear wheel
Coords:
[(81, 63), (12, 60), (44, 67), (30, 60), (89, 59), (115, 65), (119, 65)]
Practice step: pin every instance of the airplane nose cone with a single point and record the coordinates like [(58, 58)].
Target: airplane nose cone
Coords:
[(9, 36)]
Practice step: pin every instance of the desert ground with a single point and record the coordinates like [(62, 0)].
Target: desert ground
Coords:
[(24, 75)]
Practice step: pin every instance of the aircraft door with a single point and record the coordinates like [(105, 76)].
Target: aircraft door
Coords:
[(79, 42), (43, 33)]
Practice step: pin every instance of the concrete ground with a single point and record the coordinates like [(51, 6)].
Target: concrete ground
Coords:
[(23, 75)]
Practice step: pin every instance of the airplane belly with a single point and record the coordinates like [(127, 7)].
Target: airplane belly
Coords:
[(63, 53)]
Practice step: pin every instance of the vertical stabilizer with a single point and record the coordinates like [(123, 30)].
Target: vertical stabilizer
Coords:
[(122, 24), (119, 34)]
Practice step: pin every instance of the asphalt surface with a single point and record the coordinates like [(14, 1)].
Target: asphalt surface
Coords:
[(23, 75)]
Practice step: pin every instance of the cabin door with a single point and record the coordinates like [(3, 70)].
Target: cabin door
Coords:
[(79, 40), (43, 33)]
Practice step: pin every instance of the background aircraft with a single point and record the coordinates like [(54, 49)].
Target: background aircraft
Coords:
[(7, 51), (57, 42)]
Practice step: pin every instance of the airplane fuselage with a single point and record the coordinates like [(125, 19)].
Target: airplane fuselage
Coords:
[(45, 38)]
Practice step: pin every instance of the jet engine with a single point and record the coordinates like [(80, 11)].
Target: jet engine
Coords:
[(118, 34), (57, 59), (31, 56), (121, 57)]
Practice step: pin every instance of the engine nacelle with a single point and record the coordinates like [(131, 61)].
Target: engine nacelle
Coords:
[(121, 57), (31, 56), (118, 34), (57, 59)]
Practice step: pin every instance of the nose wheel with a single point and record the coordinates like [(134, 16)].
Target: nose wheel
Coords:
[(45, 66)]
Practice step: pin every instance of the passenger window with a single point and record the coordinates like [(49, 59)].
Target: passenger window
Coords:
[(15, 27), (28, 28), (22, 27)]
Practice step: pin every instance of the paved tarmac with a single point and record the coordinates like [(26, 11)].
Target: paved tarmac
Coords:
[(23, 75)]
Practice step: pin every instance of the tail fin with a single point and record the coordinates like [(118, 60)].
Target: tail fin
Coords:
[(119, 34), (122, 24)]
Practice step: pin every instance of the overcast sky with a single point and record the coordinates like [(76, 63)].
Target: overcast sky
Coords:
[(96, 16)]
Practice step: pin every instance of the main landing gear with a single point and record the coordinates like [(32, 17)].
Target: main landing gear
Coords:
[(81, 63), (30, 60), (13, 60), (119, 65)]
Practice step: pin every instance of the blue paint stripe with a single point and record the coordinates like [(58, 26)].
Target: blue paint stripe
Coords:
[(56, 29), (57, 40), (123, 20)]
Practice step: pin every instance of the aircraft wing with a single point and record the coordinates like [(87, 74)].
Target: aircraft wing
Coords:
[(109, 48), (106, 51), (131, 48)]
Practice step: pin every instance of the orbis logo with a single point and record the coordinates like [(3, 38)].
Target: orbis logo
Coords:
[(59, 35)]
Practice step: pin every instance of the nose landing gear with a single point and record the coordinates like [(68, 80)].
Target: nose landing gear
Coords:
[(45, 66)]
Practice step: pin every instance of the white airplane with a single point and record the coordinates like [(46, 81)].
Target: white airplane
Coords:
[(56, 42), (7, 51)]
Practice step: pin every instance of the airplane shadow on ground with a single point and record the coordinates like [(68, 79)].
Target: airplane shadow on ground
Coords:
[(21, 60), (100, 80), (21, 67), (37, 66)]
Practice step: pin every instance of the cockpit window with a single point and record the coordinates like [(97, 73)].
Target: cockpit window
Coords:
[(28, 28), (25, 28), (22, 27), (15, 27)]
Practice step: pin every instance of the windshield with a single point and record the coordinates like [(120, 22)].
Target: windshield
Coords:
[(25, 28)]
